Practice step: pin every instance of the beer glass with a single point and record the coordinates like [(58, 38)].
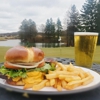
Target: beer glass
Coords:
[(85, 45)]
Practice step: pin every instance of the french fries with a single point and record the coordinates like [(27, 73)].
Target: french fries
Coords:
[(63, 84), (59, 87), (39, 86), (52, 82), (68, 77), (33, 78), (64, 77)]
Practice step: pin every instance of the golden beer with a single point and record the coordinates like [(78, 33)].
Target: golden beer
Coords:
[(85, 45)]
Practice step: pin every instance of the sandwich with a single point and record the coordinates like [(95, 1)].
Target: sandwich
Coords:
[(19, 60), (24, 57)]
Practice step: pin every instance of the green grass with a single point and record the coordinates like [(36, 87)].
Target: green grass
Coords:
[(68, 52), (2, 52), (63, 52)]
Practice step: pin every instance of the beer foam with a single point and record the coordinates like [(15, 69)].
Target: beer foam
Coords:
[(85, 33)]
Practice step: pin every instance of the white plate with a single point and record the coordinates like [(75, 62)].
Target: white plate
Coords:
[(52, 91)]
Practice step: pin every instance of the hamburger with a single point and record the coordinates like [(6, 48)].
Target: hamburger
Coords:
[(24, 57), (19, 60)]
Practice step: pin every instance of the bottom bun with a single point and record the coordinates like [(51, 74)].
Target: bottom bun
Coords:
[(11, 82)]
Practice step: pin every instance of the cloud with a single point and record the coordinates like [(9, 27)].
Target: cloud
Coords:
[(13, 12), (27, 3)]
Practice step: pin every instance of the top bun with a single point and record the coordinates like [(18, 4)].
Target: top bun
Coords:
[(24, 54)]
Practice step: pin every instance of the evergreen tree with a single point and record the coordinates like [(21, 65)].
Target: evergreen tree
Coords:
[(58, 31), (52, 28), (72, 25), (49, 31), (52, 33), (98, 16), (88, 14), (98, 20)]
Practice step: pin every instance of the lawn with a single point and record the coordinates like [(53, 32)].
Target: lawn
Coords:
[(64, 52)]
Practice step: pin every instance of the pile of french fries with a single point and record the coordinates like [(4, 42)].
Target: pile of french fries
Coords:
[(64, 77), (33, 78)]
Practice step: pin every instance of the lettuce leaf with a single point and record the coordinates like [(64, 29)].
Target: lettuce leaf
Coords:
[(13, 73), (45, 68), (23, 72)]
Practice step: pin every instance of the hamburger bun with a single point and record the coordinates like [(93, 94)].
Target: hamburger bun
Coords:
[(24, 54), (23, 57)]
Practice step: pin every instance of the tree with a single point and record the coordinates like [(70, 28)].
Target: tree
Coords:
[(88, 15), (42, 28), (49, 31), (32, 30), (98, 20), (58, 30), (23, 30), (72, 24), (52, 33), (28, 31)]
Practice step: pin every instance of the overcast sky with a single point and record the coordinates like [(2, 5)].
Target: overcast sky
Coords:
[(13, 12)]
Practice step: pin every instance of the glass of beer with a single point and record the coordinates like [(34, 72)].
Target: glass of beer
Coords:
[(85, 45)]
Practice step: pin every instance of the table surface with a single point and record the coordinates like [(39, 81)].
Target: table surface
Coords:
[(89, 95)]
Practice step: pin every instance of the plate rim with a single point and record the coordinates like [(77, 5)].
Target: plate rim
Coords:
[(51, 92)]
